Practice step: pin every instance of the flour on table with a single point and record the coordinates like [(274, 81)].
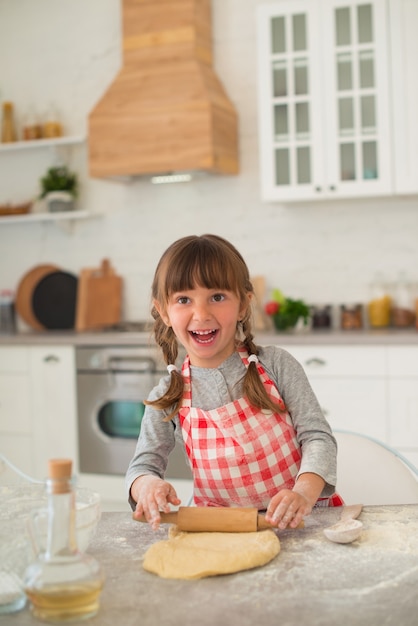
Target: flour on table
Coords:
[(198, 555)]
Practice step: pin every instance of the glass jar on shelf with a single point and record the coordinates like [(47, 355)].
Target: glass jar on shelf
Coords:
[(52, 126), (351, 316), (321, 316), (32, 129), (379, 306), (403, 304)]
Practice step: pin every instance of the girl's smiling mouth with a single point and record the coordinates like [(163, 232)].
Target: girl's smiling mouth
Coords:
[(203, 336)]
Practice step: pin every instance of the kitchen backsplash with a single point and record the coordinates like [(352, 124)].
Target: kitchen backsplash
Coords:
[(67, 53)]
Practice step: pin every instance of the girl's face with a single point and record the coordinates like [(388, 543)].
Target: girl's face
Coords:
[(204, 321)]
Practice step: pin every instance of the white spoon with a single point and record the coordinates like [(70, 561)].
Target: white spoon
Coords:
[(348, 529)]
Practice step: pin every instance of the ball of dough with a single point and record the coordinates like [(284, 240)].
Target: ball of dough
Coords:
[(197, 555)]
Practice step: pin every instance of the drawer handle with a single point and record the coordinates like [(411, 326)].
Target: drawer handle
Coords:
[(315, 362), (51, 358)]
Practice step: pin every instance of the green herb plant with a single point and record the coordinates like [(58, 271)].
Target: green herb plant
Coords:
[(59, 179), (286, 312)]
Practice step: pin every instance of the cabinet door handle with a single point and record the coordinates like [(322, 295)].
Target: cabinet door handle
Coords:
[(51, 358), (315, 362)]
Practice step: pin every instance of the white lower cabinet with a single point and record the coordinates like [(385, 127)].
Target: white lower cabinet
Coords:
[(350, 384), (37, 406), (16, 408), (371, 390), (53, 392)]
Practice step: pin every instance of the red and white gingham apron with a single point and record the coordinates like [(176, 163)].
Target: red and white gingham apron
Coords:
[(240, 455)]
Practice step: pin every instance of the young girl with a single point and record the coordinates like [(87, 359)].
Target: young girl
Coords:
[(251, 425)]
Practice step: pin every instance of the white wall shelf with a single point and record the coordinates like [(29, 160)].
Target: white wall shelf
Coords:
[(65, 219), (48, 217), (42, 143)]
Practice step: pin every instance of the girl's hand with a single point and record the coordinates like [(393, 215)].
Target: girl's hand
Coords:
[(287, 508), (152, 495)]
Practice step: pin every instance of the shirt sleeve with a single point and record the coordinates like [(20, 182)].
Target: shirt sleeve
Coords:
[(314, 434), (155, 442)]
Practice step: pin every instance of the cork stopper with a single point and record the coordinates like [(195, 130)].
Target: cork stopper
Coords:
[(59, 472)]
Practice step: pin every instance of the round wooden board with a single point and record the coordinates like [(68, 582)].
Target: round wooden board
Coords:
[(24, 293)]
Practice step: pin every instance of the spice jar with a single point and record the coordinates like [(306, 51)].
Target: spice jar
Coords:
[(8, 129), (351, 316), (321, 316), (380, 303)]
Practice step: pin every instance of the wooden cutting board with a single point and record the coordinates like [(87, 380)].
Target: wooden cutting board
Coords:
[(99, 298)]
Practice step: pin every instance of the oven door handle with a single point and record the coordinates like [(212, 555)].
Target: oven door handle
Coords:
[(143, 365)]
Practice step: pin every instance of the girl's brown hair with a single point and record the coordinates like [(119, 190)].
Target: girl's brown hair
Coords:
[(212, 262)]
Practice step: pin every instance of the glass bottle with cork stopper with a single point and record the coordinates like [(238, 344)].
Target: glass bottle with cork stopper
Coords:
[(63, 584)]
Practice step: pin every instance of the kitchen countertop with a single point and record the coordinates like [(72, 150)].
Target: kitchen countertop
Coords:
[(372, 581), (387, 336)]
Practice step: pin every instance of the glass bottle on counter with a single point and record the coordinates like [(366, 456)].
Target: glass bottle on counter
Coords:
[(379, 306), (63, 584), (403, 307)]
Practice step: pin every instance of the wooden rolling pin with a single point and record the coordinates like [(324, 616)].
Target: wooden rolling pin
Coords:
[(216, 519)]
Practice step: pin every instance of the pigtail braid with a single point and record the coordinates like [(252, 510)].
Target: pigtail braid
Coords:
[(166, 339), (253, 386)]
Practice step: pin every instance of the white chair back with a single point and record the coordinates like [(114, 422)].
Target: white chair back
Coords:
[(370, 472)]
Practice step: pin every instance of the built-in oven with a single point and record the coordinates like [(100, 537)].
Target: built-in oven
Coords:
[(112, 383)]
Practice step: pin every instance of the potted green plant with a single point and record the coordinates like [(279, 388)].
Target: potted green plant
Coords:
[(286, 312), (59, 188)]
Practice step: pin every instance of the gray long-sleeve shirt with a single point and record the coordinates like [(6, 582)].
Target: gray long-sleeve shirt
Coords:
[(212, 388)]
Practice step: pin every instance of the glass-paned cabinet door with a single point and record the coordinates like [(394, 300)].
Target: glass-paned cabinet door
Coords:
[(290, 144), (358, 119)]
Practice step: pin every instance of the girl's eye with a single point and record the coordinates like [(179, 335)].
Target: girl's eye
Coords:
[(183, 300), (218, 297)]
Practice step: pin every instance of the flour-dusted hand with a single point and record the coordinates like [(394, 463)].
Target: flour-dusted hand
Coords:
[(288, 507), (152, 495)]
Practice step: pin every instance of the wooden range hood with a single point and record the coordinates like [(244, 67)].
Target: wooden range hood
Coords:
[(166, 111)]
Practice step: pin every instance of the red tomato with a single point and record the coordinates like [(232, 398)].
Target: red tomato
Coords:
[(271, 308)]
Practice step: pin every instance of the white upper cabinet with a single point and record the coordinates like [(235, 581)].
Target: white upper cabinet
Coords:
[(324, 114), (403, 20)]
